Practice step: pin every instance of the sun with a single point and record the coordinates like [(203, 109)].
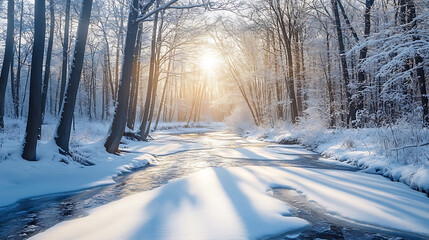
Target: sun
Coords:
[(208, 62)]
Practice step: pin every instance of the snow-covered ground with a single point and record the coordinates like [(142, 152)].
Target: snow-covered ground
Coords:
[(397, 152), (257, 153), (22, 179), (235, 203), (214, 203)]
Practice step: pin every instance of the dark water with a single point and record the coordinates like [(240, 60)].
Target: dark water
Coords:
[(31, 216)]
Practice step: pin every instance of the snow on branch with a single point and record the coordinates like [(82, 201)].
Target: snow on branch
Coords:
[(410, 146), (167, 5)]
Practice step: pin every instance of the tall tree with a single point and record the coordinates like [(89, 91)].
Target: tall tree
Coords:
[(418, 61), (65, 53), (34, 110), (8, 58), (342, 53), (145, 118), (153, 79), (119, 122), (362, 55), (132, 108), (286, 41), (62, 135), (15, 95), (167, 78), (48, 63)]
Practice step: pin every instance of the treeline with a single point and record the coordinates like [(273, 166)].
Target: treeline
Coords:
[(118, 46), (134, 63), (347, 63)]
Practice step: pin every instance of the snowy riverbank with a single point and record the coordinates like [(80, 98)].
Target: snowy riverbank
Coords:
[(235, 203), (235, 200), (395, 152), (50, 174)]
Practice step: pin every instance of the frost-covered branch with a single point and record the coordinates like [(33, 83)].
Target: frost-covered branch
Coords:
[(167, 5), (410, 146)]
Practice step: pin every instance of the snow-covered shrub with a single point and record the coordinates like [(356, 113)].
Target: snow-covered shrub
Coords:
[(404, 143), (240, 120)]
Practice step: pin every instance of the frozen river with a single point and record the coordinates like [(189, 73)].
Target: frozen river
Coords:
[(31, 216)]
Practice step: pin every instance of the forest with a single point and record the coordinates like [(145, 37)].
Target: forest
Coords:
[(358, 65), (87, 80)]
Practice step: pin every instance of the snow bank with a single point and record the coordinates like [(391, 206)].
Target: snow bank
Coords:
[(394, 151), (184, 127), (21, 179), (53, 173), (234, 203)]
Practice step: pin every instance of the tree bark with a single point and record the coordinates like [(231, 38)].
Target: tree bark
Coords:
[(65, 54), (62, 135), (362, 56), (346, 19), (48, 64), (170, 60), (34, 108), (341, 48), (418, 61), (19, 67), (156, 77), (7, 60), (286, 40), (120, 117), (329, 83), (143, 124), (134, 82)]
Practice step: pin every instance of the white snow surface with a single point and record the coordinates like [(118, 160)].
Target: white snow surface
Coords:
[(161, 148), (259, 153), (23, 179), (234, 203), (394, 151)]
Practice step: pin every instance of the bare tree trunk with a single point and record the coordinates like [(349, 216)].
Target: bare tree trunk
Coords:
[(65, 54), (144, 122), (62, 135), (34, 110), (418, 61), (362, 56), (422, 87), (286, 40), (18, 70), (48, 64), (346, 19), (134, 81), (8, 58), (103, 90), (163, 92), (108, 66), (329, 83), (156, 76), (93, 84), (118, 44), (12, 80), (352, 113), (199, 102), (299, 97), (107, 81), (120, 117), (25, 90)]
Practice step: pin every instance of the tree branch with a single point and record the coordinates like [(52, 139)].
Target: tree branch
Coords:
[(168, 6)]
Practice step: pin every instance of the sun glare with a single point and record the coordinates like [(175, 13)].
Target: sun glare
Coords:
[(208, 62)]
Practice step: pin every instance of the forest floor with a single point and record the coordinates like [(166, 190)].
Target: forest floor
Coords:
[(209, 183)]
